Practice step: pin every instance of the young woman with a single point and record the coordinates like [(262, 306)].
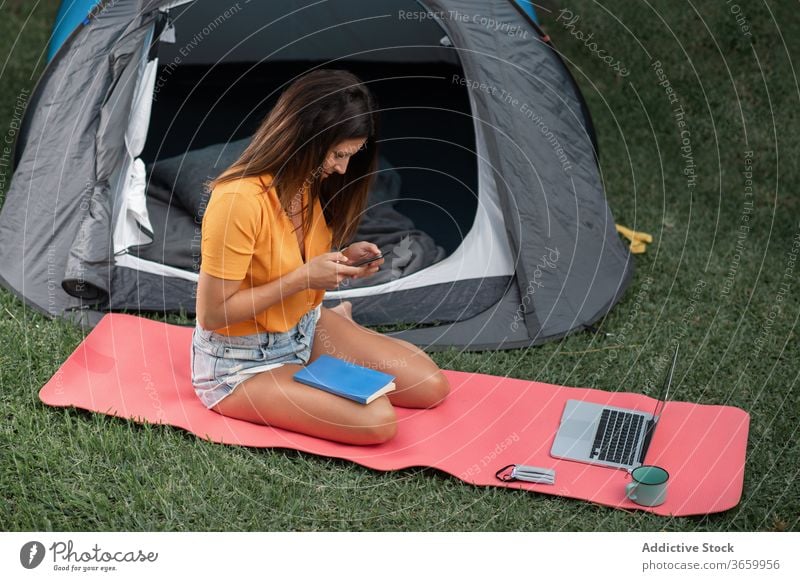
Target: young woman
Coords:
[(296, 192)]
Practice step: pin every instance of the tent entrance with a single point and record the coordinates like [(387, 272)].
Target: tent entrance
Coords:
[(216, 83), (427, 129)]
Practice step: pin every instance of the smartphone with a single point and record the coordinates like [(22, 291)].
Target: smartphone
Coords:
[(365, 260)]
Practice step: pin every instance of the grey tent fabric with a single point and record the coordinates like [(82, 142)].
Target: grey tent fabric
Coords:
[(538, 165), (547, 175), (55, 176), (89, 260)]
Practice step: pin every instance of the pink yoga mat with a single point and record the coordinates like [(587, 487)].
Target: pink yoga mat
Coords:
[(136, 368)]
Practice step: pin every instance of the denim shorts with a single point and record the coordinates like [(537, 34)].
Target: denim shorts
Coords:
[(219, 361)]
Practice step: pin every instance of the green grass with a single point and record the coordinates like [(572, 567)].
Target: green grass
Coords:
[(66, 469)]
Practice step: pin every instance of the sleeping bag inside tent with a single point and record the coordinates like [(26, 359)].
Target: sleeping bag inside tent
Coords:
[(488, 202)]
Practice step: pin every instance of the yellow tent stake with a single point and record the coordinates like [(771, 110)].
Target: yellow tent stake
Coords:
[(638, 240)]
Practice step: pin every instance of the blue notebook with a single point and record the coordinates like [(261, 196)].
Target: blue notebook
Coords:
[(345, 379)]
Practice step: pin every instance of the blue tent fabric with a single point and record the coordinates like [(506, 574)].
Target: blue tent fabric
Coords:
[(71, 14), (527, 6)]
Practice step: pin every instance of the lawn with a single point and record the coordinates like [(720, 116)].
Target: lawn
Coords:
[(709, 96)]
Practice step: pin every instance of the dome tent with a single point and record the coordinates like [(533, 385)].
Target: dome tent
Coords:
[(480, 120)]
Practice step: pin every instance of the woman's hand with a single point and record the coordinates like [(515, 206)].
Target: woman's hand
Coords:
[(360, 250), (326, 271)]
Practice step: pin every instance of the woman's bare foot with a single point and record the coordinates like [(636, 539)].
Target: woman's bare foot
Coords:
[(345, 308)]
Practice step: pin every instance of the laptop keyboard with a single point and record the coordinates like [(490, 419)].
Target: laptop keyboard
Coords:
[(615, 439)]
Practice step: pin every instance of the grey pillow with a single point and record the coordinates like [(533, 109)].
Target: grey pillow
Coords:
[(184, 177)]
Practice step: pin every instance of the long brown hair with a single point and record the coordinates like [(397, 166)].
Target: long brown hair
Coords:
[(316, 112)]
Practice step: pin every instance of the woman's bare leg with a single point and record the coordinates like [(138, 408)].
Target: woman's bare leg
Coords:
[(275, 398), (345, 308), (419, 382)]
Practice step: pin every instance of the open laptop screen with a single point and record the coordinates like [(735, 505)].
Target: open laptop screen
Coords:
[(667, 383)]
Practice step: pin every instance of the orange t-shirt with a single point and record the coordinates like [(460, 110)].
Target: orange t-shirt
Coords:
[(247, 236)]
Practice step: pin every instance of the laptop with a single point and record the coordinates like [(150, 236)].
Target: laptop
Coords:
[(608, 436)]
